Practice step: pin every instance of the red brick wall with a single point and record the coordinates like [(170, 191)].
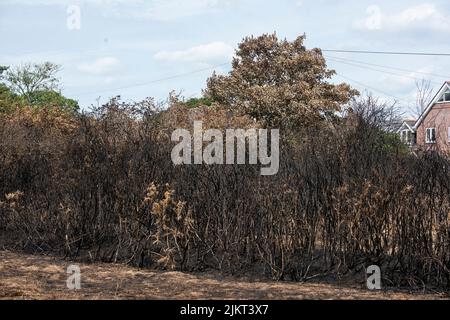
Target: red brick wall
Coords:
[(439, 118)]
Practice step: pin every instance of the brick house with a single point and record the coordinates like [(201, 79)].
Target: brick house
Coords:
[(432, 130), (433, 126)]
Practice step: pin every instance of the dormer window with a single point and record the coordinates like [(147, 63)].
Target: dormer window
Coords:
[(446, 96), (406, 136)]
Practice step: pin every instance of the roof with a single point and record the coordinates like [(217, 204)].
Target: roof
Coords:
[(408, 123), (444, 87)]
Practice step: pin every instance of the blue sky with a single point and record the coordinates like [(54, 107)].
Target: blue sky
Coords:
[(123, 46)]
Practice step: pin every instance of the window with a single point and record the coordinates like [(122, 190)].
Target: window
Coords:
[(431, 135), (445, 97), (406, 136), (448, 134)]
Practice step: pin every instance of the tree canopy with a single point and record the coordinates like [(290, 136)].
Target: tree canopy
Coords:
[(49, 98), (280, 83), (29, 78), (33, 85)]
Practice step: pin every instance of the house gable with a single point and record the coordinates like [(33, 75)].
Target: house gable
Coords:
[(406, 132), (433, 127), (445, 87), (406, 126)]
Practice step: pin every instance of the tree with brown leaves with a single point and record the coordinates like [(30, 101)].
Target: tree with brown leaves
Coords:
[(280, 83)]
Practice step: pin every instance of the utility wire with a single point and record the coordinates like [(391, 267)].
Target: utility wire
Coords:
[(227, 63), (390, 52), (382, 71), (337, 59), (58, 52), (154, 81), (390, 67), (365, 86)]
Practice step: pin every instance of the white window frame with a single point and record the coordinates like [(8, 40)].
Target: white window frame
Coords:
[(406, 136), (427, 135), (442, 98), (402, 136)]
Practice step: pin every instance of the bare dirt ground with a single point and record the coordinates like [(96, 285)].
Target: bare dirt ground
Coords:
[(40, 277)]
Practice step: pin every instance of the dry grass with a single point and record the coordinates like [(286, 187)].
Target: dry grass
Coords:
[(40, 277)]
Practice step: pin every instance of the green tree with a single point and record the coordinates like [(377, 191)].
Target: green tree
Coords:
[(8, 100), (33, 85), (196, 102), (27, 79), (280, 83), (48, 98)]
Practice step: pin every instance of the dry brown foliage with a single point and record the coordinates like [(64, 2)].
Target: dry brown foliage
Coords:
[(280, 83), (103, 188)]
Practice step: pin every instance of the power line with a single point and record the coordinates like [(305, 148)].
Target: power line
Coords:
[(370, 87), (337, 59), (227, 63), (389, 52), (155, 81), (390, 67), (382, 71), (324, 50)]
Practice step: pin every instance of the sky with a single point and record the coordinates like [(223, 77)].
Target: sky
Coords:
[(139, 49)]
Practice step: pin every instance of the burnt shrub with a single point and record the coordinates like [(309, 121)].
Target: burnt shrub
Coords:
[(101, 187)]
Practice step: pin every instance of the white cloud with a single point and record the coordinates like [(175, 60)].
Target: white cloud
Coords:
[(101, 66), (214, 51), (421, 17)]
